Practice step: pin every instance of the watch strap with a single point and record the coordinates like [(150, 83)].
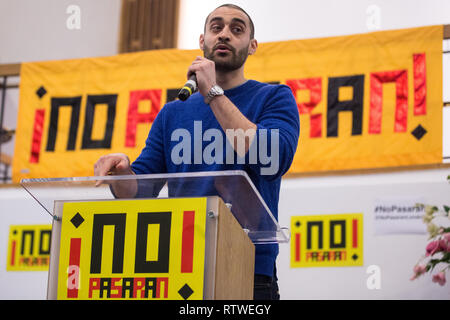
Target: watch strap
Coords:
[(213, 92)]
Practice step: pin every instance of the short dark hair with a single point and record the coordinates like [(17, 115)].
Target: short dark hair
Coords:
[(233, 6)]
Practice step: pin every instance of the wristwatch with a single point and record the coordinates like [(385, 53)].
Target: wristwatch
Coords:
[(213, 92)]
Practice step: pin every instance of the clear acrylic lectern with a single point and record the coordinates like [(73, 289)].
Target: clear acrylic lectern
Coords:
[(234, 187)]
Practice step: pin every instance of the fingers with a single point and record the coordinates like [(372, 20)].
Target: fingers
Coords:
[(199, 59), (111, 164), (200, 64), (104, 165), (193, 68), (205, 72)]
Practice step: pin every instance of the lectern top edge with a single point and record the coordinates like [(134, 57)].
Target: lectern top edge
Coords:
[(233, 186)]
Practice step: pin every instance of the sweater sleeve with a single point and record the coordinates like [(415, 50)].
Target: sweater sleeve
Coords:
[(277, 134)]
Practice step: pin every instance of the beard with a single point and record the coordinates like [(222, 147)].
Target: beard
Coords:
[(229, 61)]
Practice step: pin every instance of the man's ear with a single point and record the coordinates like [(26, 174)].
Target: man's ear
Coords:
[(201, 41), (252, 47)]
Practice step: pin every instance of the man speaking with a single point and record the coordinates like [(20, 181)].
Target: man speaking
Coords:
[(245, 112)]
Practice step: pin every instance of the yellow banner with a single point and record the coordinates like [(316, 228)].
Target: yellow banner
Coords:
[(327, 240), (29, 247), (365, 101), (133, 249)]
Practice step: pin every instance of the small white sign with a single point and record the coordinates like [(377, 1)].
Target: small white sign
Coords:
[(399, 216)]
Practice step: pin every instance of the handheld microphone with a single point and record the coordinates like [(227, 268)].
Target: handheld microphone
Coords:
[(189, 88)]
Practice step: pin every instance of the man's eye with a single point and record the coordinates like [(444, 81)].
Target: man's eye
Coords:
[(215, 28), (238, 30)]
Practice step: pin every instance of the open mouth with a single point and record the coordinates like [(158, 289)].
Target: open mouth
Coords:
[(222, 48)]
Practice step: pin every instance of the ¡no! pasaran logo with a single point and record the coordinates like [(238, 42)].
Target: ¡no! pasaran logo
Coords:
[(29, 247), (327, 240), (132, 249)]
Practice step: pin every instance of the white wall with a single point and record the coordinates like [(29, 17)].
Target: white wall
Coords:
[(18, 208), (35, 30)]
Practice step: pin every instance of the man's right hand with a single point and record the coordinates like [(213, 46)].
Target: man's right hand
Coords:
[(116, 164), (113, 164)]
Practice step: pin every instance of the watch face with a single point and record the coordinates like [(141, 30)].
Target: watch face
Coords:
[(213, 92), (217, 90)]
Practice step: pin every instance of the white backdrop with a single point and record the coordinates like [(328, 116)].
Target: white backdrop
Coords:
[(18, 208), (394, 254)]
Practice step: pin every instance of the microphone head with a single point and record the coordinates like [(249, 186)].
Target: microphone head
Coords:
[(189, 88), (183, 94)]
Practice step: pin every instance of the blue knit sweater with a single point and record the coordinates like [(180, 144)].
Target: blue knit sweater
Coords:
[(268, 106)]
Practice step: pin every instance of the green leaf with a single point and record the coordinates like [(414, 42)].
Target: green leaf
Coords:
[(446, 257), (446, 208), (433, 263)]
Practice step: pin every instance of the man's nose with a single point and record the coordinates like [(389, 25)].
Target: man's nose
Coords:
[(224, 35)]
